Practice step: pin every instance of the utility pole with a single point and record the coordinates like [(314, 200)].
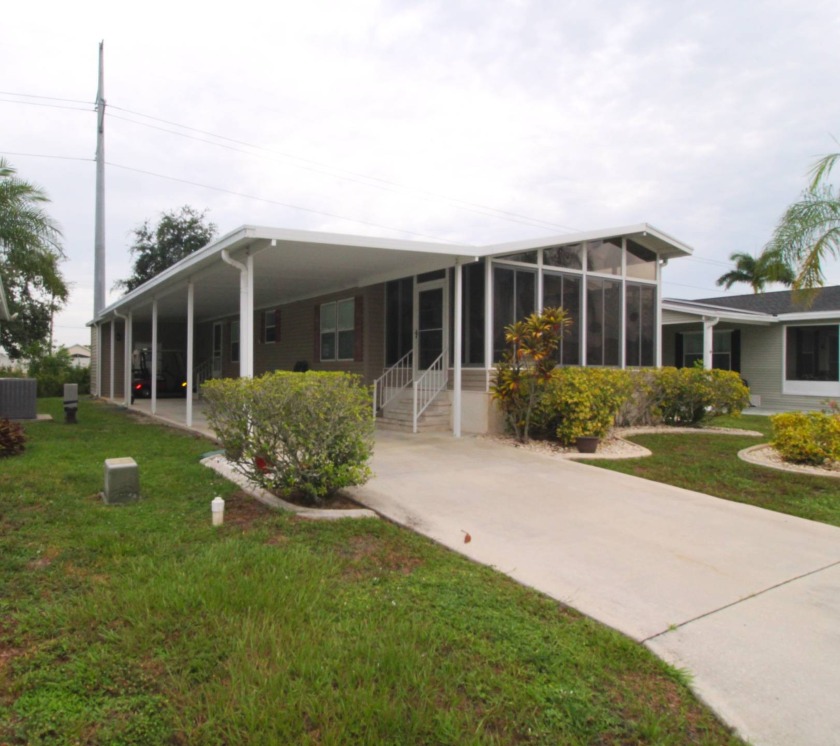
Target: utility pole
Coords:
[(99, 230)]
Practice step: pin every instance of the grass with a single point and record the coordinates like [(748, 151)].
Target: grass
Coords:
[(144, 625), (709, 463)]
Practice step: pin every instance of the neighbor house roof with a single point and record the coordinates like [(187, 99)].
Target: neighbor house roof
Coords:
[(780, 302), (762, 307)]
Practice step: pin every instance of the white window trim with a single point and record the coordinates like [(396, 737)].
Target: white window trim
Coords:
[(336, 330), (821, 389)]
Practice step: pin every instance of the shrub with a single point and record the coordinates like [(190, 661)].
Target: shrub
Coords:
[(687, 396), (641, 407), (53, 371), (12, 438), (302, 435), (582, 401), (812, 438), (526, 366)]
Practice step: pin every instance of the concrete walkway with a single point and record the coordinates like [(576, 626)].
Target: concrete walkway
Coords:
[(746, 599)]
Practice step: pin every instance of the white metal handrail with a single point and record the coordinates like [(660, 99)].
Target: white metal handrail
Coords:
[(392, 381), (428, 385), (200, 374)]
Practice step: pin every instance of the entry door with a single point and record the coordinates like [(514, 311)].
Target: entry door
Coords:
[(431, 328), (217, 350)]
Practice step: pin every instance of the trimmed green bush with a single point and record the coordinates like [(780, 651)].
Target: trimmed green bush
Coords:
[(12, 438), (687, 396), (301, 435), (812, 438), (53, 371), (582, 401)]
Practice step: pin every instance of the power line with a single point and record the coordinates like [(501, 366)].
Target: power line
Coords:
[(44, 155), (46, 98), (272, 201), (347, 175), (38, 103)]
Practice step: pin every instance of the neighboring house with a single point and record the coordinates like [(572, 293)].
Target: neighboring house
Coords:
[(431, 315), (80, 355), (786, 351)]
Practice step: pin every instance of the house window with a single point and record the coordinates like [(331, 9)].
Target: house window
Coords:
[(640, 325), (564, 291), (337, 330), (399, 305), (568, 257), (812, 353), (604, 256), (270, 327), (514, 298), (473, 314), (641, 262), (603, 321), (721, 349), (234, 341)]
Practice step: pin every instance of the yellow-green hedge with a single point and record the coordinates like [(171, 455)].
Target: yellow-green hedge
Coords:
[(812, 438)]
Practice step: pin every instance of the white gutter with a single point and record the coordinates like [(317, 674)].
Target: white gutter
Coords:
[(126, 358)]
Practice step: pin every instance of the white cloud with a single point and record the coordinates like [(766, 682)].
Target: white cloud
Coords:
[(699, 118)]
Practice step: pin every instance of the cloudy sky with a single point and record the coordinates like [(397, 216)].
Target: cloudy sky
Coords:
[(476, 121)]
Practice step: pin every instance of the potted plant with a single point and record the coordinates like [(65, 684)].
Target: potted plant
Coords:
[(587, 443)]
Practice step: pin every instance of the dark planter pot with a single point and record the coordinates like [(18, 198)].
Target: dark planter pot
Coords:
[(587, 444)]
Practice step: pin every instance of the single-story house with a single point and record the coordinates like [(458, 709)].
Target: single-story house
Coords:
[(79, 356), (406, 315), (785, 349)]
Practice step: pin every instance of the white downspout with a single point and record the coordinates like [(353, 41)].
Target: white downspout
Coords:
[(244, 305), (709, 323)]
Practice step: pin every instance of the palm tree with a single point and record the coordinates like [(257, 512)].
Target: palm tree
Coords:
[(809, 231), (757, 272), (30, 252)]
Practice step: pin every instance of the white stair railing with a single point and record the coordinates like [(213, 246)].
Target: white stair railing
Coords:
[(392, 381), (200, 374), (428, 385)]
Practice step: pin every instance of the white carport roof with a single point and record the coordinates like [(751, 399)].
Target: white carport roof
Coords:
[(292, 265)]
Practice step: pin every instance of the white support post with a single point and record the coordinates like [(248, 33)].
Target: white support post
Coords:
[(708, 340), (488, 320), (190, 332), (154, 355), (658, 329), (458, 344), (248, 321), (99, 359), (129, 343), (113, 345)]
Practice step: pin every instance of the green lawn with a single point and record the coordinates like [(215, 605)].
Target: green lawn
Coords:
[(143, 624), (709, 463)]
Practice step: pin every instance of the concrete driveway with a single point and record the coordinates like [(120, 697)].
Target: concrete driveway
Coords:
[(746, 599)]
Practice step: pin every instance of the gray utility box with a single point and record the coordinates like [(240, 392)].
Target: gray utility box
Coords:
[(122, 481), (17, 398)]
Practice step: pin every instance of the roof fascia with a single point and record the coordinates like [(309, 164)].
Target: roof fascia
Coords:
[(810, 316), (726, 314), (183, 267), (679, 248)]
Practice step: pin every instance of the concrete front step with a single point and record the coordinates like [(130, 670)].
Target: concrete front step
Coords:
[(398, 415)]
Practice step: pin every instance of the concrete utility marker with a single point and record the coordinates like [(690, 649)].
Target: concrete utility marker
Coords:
[(747, 600)]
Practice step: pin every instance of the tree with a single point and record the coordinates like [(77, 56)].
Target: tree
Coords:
[(176, 235), (809, 231), (30, 253), (768, 267)]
